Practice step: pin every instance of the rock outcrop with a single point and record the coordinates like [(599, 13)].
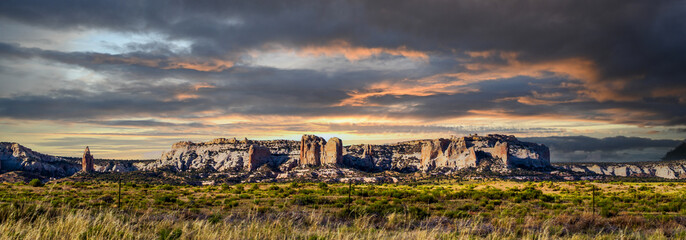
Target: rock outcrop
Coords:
[(258, 156), (311, 148), (15, 157), (333, 152), (502, 152), (87, 161), (225, 155), (662, 169)]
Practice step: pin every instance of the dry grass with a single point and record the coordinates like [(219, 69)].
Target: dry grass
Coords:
[(65, 223)]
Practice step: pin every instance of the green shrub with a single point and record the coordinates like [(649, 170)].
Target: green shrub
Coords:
[(36, 183), (169, 234), (608, 212), (323, 186), (456, 214), (214, 218)]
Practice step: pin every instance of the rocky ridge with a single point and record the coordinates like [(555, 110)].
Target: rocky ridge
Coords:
[(663, 169), (15, 157), (426, 155), (316, 158)]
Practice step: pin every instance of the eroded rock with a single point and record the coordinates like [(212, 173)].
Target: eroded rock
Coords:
[(333, 152), (257, 156), (87, 161), (311, 148)]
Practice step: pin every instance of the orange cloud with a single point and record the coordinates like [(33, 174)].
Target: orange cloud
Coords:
[(452, 83), (185, 95), (423, 87), (204, 65), (354, 53), (210, 65)]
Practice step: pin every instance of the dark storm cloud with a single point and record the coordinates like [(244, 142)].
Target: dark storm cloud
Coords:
[(589, 144), (144, 123), (610, 149), (636, 46)]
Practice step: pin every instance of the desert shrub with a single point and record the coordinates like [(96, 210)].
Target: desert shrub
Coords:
[(608, 212), (166, 199), (426, 198), (214, 218), (36, 183), (382, 209), (546, 198), (468, 207), (323, 186), (417, 213), (230, 203), (456, 214), (166, 187), (308, 199), (169, 234)]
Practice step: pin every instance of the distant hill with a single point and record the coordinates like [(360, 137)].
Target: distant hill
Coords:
[(677, 153)]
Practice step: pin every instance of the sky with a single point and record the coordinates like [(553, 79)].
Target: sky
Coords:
[(593, 80)]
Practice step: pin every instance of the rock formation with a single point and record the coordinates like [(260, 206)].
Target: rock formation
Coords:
[(368, 151), (87, 161), (465, 152), (311, 148), (224, 155), (257, 156), (333, 151), (663, 169), (15, 157)]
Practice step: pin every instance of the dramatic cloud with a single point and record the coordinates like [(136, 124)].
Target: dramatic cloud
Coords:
[(377, 70), (614, 149)]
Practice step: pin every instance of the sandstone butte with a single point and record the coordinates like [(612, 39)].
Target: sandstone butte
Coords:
[(87, 161), (455, 153)]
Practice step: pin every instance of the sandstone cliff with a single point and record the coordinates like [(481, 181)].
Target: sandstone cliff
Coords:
[(311, 148), (502, 153), (229, 155), (662, 169), (15, 157)]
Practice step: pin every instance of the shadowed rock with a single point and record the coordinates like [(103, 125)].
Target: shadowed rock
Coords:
[(87, 161), (257, 156)]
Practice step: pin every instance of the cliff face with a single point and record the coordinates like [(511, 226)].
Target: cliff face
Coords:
[(230, 155), (502, 152), (15, 157), (663, 169), (311, 149)]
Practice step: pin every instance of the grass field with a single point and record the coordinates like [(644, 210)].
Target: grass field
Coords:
[(446, 210)]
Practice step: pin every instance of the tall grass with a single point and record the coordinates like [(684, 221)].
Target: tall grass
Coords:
[(44, 222)]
